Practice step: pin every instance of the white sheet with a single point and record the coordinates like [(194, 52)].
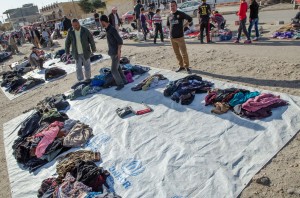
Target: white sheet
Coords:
[(70, 68), (175, 151)]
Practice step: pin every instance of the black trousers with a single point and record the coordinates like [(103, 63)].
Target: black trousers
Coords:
[(204, 25), (158, 28)]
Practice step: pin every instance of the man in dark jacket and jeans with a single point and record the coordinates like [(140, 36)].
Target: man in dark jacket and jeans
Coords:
[(115, 43), (82, 41), (253, 19), (175, 23), (204, 14)]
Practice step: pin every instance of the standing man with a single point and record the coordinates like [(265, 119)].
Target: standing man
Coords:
[(82, 41), (66, 24), (57, 30), (115, 43), (204, 13), (253, 19), (97, 20), (243, 18), (12, 44), (36, 37), (114, 18), (175, 23), (137, 12)]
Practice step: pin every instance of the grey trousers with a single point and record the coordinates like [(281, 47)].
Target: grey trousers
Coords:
[(87, 67), (116, 71)]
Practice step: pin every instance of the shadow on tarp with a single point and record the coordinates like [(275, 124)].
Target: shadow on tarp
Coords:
[(261, 82), (154, 97)]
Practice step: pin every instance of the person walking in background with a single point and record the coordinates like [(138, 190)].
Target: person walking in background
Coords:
[(204, 14), (253, 19), (57, 29), (175, 24), (114, 18), (115, 43), (12, 44), (82, 42), (36, 37), (137, 12), (66, 24), (144, 23), (158, 26), (150, 17), (97, 20), (243, 18)]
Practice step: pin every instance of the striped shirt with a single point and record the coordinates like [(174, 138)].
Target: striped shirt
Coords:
[(156, 18)]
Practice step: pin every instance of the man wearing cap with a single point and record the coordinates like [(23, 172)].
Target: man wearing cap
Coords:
[(83, 45), (114, 18), (36, 60)]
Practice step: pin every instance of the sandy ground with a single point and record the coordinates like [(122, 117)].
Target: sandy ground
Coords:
[(267, 64)]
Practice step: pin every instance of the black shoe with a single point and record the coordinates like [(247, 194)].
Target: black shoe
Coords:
[(119, 87), (188, 70), (202, 42), (179, 69)]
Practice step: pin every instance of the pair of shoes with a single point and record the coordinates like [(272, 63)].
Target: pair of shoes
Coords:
[(255, 39), (236, 41), (247, 42), (188, 70), (180, 69), (119, 87)]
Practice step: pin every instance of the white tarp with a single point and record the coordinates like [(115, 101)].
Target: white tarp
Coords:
[(175, 151), (70, 68)]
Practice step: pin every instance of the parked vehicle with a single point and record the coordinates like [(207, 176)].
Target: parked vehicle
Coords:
[(88, 22), (128, 17), (191, 7)]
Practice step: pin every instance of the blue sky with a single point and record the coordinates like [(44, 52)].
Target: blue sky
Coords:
[(10, 4)]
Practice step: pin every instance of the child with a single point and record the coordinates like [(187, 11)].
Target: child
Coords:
[(158, 26), (144, 23), (150, 17)]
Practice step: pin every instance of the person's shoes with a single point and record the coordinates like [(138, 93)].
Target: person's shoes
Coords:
[(154, 43), (236, 41), (255, 39), (202, 42), (188, 70), (179, 69), (119, 87), (248, 42)]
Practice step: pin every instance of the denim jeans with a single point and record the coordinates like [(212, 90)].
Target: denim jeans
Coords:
[(243, 28), (255, 23), (87, 67)]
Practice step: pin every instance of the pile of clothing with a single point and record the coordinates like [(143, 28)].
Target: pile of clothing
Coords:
[(252, 105), (105, 79), (14, 83), (22, 67), (4, 56), (183, 90), (54, 72), (150, 82), (78, 176), (283, 35), (225, 35), (68, 59), (48, 132)]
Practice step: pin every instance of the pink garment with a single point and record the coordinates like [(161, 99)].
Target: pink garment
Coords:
[(261, 101), (48, 134), (129, 77)]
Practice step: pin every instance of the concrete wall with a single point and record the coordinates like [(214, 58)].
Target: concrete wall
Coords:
[(122, 5)]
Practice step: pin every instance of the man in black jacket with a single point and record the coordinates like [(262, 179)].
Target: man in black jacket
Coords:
[(175, 24), (137, 12), (204, 14), (114, 18), (115, 43), (67, 23), (253, 19), (83, 45)]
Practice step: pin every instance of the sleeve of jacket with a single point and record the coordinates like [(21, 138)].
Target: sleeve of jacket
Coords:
[(68, 43), (110, 20), (209, 9), (91, 40), (117, 36), (168, 22)]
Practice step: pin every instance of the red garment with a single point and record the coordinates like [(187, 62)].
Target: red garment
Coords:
[(262, 101), (49, 134), (243, 10)]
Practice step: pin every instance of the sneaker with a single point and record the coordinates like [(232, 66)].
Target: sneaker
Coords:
[(248, 42), (188, 70), (119, 87), (179, 69), (255, 39), (236, 41)]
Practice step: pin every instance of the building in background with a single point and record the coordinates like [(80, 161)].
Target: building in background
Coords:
[(56, 11), (27, 14), (122, 5)]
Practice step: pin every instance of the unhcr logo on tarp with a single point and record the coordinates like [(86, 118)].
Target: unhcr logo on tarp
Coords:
[(132, 167)]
